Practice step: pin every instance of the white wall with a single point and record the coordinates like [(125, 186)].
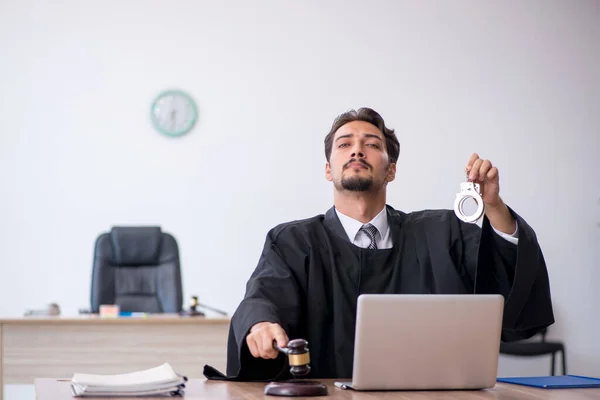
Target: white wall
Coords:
[(516, 81)]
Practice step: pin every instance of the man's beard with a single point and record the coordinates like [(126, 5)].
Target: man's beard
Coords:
[(357, 183)]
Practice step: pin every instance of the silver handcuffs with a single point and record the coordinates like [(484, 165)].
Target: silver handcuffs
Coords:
[(469, 190)]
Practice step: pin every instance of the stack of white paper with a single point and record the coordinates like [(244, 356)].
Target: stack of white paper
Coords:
[(162, 380)]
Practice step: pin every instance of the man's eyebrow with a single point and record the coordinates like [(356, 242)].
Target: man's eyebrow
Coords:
[(370, 135), (344, 136)]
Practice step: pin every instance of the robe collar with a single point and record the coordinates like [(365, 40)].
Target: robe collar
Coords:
[(332, 222)]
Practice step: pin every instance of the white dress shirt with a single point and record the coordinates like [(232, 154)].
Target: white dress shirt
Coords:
[(383, 236)]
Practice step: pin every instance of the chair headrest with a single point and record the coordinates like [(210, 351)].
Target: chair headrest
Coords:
[(134, 245)]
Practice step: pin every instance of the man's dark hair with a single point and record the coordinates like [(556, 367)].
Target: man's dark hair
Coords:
[(367, 115)]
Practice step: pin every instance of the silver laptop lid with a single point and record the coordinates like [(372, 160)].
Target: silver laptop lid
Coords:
[(427, 341)]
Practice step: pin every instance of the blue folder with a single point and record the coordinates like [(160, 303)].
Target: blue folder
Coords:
[(554, 382)]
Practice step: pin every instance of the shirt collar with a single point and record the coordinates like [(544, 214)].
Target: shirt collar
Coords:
[(352, 226)]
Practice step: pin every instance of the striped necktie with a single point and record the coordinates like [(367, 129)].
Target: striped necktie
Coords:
[(370, 230)]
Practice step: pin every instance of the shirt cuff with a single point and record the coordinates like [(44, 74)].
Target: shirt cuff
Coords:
[(514, 238)]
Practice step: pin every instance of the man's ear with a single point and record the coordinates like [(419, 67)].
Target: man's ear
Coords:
[(391, 175), (328, 172)]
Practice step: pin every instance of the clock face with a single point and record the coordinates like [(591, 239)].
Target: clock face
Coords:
[(173, 113)]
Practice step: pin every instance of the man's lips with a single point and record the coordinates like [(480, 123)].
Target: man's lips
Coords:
[(357, 164)]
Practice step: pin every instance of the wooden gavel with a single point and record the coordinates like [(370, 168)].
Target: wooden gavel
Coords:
[(298, 356), (299, 360)]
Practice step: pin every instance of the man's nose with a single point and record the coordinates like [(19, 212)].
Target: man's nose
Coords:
[(357, 151)]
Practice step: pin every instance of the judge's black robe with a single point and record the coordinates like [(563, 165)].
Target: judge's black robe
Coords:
[(309, 277)]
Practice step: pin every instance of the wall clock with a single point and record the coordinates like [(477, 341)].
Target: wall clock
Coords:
[(173, 113)]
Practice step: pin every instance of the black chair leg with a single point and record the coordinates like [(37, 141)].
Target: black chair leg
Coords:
[(564, 363), (552, 367)]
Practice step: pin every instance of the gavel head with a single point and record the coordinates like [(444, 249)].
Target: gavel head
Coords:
[(299, 357)]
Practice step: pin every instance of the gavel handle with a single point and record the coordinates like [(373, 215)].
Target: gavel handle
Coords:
[(284, 350)]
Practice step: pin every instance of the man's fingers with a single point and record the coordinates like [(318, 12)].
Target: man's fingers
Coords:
[(474, 174), (252, 346), (472, 159), (486, 165), (281, 338), (267, 350), (261, 340), (480, 170), (492, 174)]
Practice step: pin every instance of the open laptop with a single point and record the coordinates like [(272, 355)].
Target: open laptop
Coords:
[(426, 342)]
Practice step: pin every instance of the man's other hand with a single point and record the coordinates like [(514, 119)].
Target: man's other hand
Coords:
[(261, 337), (483, 172), (486, 175)]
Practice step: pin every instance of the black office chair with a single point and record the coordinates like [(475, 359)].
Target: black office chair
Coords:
[(536, 348), (138, 269)]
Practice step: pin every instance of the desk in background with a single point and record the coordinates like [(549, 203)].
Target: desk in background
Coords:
[(197, 389), (35, 347)]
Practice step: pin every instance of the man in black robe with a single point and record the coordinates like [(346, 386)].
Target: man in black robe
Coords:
[(311, 271)]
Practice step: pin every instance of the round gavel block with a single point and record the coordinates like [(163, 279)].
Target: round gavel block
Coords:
[(296, 389)]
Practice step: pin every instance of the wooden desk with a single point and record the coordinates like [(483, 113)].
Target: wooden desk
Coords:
[(33, 347), (197, 389)]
